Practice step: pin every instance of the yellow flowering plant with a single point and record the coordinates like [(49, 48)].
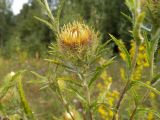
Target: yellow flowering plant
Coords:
[(141, 55)]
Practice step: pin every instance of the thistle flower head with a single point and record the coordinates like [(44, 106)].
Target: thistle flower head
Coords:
[(76, 37)]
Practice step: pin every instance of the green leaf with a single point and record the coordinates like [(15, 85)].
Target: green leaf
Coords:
[(23, 99), (149, 110), (127, 17), (135, 96), (99, 70), (45, 22), (73, 83), (41, 3), (137, 28), (123, 49), (131, 5), (136, 82), (38, 75), (154, 41), (60, 9), (48, 11), (155, 79), (8, 83), (103, 46), (59, 12), (78, 94), (45, 6), (147, 43), (58, 63)]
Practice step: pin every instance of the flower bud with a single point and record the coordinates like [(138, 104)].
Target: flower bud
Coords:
[(76, 38)]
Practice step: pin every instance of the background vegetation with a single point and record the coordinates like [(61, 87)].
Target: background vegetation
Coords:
[(23, 33)]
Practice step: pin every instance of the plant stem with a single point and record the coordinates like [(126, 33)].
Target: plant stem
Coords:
[(68, 110), (87, 91), (88, 95), (129, 74), (133, 113), (120, 100), (63, 101), (148, 91), (134, 61), (60, 95)]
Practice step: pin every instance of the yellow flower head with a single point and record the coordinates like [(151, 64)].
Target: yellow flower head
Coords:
[(75, 36)]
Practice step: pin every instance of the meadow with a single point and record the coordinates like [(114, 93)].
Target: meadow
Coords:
[(60, 64)]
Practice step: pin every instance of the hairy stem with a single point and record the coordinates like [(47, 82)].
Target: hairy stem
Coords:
[(151, 77), (88, 95), (129, 74), (120, 100), (59, 94), (133, 113)]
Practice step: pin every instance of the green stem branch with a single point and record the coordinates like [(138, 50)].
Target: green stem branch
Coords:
[(151, 77), (128, 82)]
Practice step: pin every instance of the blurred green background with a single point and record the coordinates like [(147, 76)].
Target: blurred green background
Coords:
[(23, 35)]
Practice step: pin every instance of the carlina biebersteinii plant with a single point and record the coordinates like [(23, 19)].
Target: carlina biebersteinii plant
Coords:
[(80, 52), (76, 55)]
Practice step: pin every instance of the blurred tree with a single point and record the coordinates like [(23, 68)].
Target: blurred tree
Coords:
[(34, 36), (6, 21), (28, 34)]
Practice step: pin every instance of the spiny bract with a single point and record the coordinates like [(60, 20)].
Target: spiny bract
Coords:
[(76, 37)]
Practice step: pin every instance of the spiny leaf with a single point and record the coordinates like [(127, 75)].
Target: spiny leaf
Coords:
[(123, 49), (9, 82), (126, 16), (59, 13), (38, 75), (44, 21), (99, 70), (147, 43), (154, 41), (75, 91), (101, 47), (57, 62), (23, 99), (137, 28), (130, 4), (70, 80), (48, 11), (155, 79), (135, 96), (149, 110), (136, 82)]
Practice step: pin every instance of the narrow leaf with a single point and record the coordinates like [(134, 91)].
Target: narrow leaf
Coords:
[(58, 63), (99, 71), (123, 49), (136, 82), (44, 21), (127, 17), (149, 110), (155, 79), (23, 100)]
